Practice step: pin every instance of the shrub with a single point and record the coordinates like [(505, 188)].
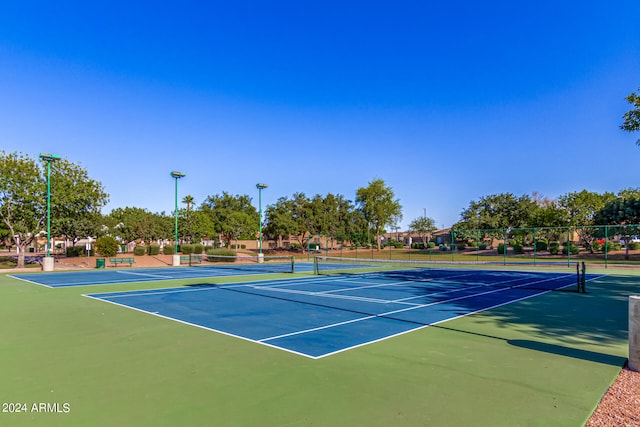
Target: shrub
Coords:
[(540, 245), (502, 248), (482, 246), (76, 251), (553, 248), (634, 246), (139, 250), (169, 250), (518, 249), (107, 246), (186, 249), (473, 244), (443, 248), (461, 246), (153, 249), (219, 251), (295, 246), (198, 248), (596, 246), (432, 245), (570, 247)]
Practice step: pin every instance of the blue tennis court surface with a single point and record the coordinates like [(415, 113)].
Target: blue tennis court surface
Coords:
[(323, 315), (113, 276)]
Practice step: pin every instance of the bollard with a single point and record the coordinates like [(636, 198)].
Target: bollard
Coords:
[(634, 333)]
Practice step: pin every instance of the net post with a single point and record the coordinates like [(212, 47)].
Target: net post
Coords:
[(578, 280), (293, 264), (315, 265), (583, 278), (634, 333)]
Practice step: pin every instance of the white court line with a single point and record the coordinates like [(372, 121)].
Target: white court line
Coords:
[(29, 281), (198, 326), (415, 307), (157, 276), (325, 295)]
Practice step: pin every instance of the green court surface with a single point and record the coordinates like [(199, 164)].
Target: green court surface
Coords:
[(545, 361)]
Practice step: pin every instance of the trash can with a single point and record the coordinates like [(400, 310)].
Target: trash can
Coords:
[(100, 263)]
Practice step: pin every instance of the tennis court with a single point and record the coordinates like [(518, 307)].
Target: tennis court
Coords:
[(128, 275), (323, 315)]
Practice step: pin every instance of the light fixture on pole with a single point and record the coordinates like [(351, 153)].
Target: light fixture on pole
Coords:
[(260, 187), (47, 157), (177, 175)]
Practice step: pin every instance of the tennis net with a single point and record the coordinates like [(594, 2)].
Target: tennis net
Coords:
[(255, 263), (495, 274)]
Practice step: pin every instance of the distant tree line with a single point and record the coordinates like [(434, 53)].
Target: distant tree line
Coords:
[(78, 200)]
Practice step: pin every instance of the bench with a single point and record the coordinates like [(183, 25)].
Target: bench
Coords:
[(116, 261), (193, 259)]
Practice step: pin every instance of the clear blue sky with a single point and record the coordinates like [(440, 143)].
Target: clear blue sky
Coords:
[(445, 101)]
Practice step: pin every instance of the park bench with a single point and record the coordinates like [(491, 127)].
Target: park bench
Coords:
[(115, 261)]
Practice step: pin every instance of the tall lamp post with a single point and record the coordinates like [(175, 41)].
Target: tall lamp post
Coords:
[(260, 187), (176, 175), (47, 263)]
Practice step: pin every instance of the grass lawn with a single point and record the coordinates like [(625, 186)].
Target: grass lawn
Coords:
[(544, 361)]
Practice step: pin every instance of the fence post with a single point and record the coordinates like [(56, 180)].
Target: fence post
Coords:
[(568, 246), (504, 247), (634, 333), (535, 246), (606, 246)]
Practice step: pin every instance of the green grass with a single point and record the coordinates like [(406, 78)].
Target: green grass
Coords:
[(9, 262), (544, 361)]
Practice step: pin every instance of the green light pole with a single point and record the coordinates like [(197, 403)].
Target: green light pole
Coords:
[(177, 175), (260, 187), (47, 157)]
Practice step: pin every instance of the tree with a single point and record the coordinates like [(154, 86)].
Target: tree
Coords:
[(221, 208), (632, 117), (279, 221), (378, 205), (240, 225), (195, 225), (188, 200), (424, 226), (495, 213), (23, 197), (132, 224), (581, 209), (624, 212)]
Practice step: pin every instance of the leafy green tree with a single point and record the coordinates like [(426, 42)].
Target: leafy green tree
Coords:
[(279, 221), (581, 209), (240, 225), (23, 201), (379, 206), (221, 208), (623, 212), (495, 213), (632, 117), (195, 225), (131, 224), (424, 226)]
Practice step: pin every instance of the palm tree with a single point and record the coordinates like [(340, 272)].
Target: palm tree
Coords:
[(188, 200)]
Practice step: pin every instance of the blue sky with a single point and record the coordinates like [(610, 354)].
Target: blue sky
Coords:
[(445, 101)]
